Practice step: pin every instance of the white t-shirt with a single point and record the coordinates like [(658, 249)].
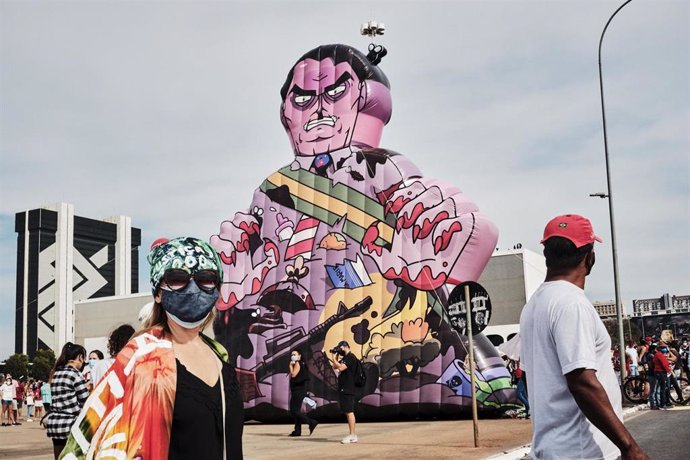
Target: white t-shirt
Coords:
[(8, 391), (632, 355), (99, 369), (559, 332)]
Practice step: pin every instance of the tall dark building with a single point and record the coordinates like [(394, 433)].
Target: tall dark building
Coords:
[(63, 258)]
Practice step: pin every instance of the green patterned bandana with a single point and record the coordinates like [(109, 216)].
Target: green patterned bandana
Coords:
[(184, 253)]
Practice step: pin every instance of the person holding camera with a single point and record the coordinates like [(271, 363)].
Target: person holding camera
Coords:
[(299, 375), (346, 364)]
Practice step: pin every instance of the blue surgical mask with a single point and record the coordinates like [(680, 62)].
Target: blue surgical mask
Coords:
[(189, 307), (92, 362)]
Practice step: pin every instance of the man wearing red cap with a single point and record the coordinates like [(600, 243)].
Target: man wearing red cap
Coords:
[(565, 351)]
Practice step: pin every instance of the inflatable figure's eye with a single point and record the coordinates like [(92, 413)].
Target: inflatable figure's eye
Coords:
[(336, 92), (302, 100)]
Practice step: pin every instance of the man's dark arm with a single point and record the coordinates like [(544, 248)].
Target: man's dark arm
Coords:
[(593, 401)]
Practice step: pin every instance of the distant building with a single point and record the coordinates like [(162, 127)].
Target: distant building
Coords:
[(605, 309), (665, 313), (61, 259), (664, 305), (95, 319), (510, 278)]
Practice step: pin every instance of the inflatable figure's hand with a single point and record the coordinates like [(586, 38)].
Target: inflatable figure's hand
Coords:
[(439, 236), (245, 256)]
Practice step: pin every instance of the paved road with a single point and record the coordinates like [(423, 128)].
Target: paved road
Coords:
[(664, 435)]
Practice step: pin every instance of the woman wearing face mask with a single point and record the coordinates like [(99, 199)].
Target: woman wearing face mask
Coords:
[(299, 375), (69, 392), (171, 393), (94, 357)]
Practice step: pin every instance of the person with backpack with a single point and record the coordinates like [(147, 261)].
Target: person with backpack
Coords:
[(299, 376), (350, 373)]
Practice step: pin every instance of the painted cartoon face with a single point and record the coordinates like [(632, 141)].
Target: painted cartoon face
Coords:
[(321, 106)]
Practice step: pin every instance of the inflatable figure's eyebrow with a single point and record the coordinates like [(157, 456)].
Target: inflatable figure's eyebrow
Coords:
[(302, 92), (343, 78)]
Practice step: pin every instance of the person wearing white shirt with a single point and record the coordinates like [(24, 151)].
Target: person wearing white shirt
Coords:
[(631, 353), (565, 351), (8, 392)]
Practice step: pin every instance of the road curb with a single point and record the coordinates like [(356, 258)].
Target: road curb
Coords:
[(514, 454), (523, 451), (631, 410)]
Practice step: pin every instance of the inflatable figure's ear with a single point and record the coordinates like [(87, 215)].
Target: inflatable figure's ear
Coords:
[(363, 93), (282, 115)]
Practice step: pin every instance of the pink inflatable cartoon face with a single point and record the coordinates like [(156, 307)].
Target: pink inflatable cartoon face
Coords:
[(321, 106)]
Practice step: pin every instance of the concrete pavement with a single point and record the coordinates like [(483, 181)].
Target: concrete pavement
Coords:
[(409, 440), (663, 435)]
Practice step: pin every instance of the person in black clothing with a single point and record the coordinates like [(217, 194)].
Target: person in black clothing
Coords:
[(346, 365), (299, 375)]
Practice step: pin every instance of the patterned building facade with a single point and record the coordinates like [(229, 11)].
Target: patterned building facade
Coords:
[(63, 258)]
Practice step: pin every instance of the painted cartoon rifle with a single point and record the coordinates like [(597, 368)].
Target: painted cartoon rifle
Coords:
[(278, 357)]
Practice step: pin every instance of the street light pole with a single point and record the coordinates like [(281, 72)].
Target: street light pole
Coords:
[(619, 307)]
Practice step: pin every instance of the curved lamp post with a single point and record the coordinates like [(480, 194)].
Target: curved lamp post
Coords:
[(619, 307)]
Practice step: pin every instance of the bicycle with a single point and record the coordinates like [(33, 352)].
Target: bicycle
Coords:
[(636, 389)]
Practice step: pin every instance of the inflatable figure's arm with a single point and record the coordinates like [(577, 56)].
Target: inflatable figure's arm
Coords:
[(440, 236), (245, 256)]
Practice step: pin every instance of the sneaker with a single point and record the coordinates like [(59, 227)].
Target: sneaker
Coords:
[(662, 408), (349, 439), (312, 427), (654, 408), (29, 420), (668, 406), (295, 434), (16, 424)]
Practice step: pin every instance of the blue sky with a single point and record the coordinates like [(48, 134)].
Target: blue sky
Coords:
[(168, 112)]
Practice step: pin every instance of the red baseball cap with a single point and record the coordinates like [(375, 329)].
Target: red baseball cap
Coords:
[(575, 228)]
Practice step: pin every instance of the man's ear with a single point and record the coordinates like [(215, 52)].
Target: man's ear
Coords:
[(283, 120), (362, 100)]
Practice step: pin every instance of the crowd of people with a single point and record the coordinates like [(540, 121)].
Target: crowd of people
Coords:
[(663, 364), (16, 394), (57, 402)]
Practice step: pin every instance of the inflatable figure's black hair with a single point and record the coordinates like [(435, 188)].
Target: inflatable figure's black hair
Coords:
[(364, 68)]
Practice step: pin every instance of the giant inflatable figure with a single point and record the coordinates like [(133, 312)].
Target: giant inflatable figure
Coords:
[(351, 242)]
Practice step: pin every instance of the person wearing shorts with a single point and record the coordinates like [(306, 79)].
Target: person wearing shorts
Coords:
[(346, 365), (38, 401), (8, 394)]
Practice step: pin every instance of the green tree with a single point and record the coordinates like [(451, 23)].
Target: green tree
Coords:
[(43, 363), (17, 365), (630, 331)]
